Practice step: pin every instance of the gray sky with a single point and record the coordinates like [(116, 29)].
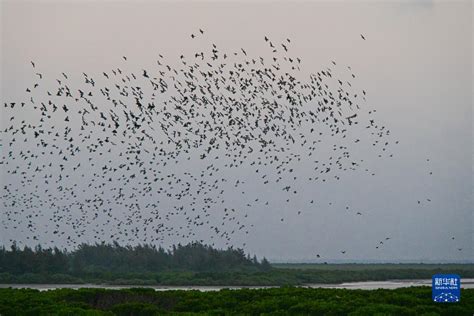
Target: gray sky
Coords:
[(415, 64)]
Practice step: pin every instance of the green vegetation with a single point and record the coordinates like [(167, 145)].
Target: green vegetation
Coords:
[(192, 264), (99, 258), (232, 278), (376, 266), (282, 301)]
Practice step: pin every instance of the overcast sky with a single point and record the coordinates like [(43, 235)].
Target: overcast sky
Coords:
[(415, 64)]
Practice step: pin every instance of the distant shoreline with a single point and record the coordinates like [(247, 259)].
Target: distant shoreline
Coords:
[(278, 275), (362, 285)]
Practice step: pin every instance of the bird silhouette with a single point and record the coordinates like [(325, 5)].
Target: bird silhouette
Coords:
[(157, 157)]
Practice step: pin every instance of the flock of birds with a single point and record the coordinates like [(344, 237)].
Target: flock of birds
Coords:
[(169, 153)]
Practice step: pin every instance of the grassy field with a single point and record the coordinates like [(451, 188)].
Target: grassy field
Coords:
[(275, 301)]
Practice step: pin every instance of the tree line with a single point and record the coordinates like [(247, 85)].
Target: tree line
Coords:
[(114, 258)]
